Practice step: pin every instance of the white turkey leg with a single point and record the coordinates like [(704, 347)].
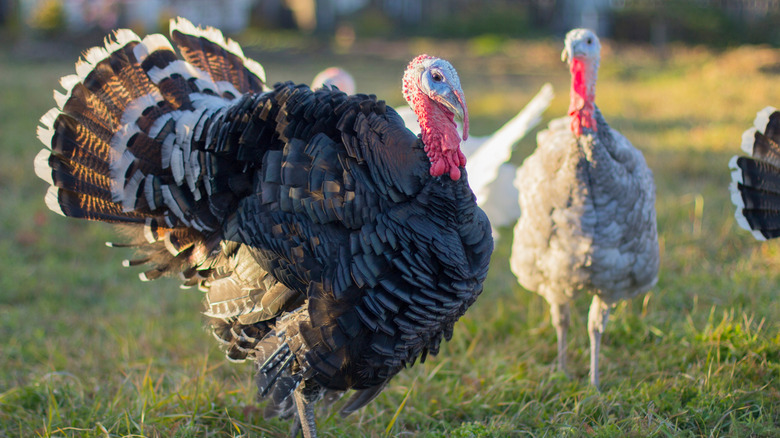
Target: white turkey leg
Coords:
[(597, 322), (559, 313)]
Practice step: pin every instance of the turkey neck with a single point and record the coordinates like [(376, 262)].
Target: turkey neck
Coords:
[(440, 136), (582, 106)]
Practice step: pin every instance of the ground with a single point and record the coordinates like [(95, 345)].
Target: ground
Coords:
[(88, 350)]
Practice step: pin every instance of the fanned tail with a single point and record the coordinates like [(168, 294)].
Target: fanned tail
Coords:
[(755, 186), (120, 143)]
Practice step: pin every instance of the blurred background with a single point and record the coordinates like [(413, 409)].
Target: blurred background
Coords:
[(712, 22), (88, 350)]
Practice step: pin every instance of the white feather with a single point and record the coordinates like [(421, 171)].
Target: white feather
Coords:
[(184, 129), (169, 245), (185, 69), (130, 194), (226, 87), (173, 206), (200, 124), (121, 38), (160, 122), (149, 192), (67, 82), (42, 168), (119, 140), (255, 67), (95, 54), (61, 98), (150, 44), (759, 125), (177, 165), (748, 140), (45, 135), (167, 150), (206, 85), (762, 118), (86, 64), (208, 102), (148, 233), (192, 172), (52, 200), (118, 170), (136, 107), (214, 35), (46, 131), (167, 215)]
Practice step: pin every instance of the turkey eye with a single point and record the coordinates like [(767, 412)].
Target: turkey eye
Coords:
[(437, 77), (590, 41)]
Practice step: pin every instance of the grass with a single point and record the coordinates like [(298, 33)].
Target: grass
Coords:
[(88, 350)]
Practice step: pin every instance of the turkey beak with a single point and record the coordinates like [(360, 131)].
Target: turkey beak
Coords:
[(569, 52), (455, 101)]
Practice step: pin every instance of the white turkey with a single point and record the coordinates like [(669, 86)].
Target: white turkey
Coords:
[(334, 246), (588, 215), (334, 77), (491, 175), (755, 186)]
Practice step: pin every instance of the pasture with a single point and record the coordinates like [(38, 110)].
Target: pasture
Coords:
[(86, 349)]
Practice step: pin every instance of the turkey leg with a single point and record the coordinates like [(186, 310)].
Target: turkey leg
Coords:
[(597, 322), (559, 313)]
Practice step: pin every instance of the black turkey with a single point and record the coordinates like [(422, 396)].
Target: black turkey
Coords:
[(335, 247)]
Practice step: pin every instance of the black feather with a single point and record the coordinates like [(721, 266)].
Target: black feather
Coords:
[(326, 251)]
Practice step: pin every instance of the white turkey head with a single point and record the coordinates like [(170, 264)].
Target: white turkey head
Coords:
[(582, 44), (432, 88), (582, 51), (334, 77)]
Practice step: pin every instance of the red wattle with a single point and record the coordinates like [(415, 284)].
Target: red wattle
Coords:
[(581, 105), (441, 137)]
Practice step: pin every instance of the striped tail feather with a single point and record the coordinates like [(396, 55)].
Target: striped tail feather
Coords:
[(119, 143), (755, 186)]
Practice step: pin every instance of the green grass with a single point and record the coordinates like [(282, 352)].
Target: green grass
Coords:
[(88, 350)]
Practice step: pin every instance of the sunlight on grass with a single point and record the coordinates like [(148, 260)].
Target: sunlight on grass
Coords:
[(88, 350)]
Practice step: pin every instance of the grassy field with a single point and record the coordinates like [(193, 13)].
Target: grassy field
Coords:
[(88, 350)]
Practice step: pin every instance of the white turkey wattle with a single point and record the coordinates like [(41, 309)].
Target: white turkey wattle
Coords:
[(588, 220)]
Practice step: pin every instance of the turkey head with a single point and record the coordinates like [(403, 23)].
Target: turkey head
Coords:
[(432, 88)]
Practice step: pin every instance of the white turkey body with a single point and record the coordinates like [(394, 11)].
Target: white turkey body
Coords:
[(588, 219), (334, 246), (588, 222)]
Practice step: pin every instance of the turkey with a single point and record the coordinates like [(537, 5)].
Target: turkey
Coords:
[(333, 245), (334, 77), (588, 216), (490, 173), (755, 186)]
